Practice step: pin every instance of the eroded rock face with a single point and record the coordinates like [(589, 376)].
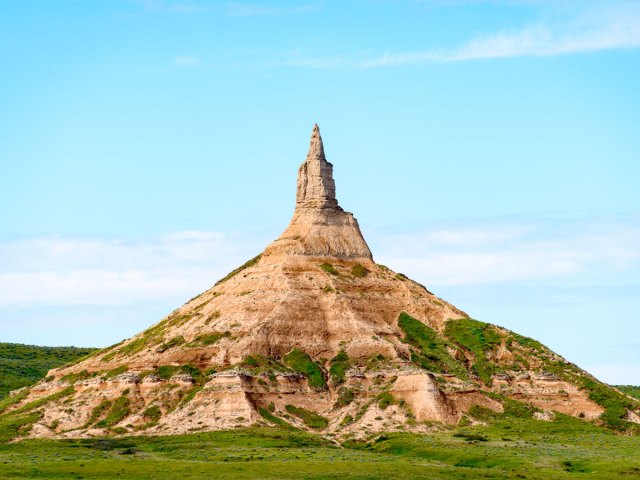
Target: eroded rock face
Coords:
[(319, 227), (220, 360)]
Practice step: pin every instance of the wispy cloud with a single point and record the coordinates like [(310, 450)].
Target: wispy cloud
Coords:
[(187, 61), (498, 253), (96, 271), (614, 27), (58, 270), (254, 9)]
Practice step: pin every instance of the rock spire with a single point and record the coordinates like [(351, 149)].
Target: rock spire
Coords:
[(316, 187), (319, 227)]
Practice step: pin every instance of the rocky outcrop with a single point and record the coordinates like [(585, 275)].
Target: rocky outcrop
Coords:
[(320, 227)]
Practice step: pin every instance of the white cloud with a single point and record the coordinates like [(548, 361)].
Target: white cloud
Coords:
[(495, 253), (613, 27), (59, 270)]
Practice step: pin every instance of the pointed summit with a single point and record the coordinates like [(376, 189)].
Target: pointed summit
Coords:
[(316, 187), (316, 148), (319, 227)]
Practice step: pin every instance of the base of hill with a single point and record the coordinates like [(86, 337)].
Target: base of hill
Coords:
[(533, 449)]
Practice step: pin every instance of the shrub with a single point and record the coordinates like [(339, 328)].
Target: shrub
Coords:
[(267, 415), (116, 371), (345, 397), (119, 410), (152, 413), (174, 342), (97, 412), (301, 362), (430, 353), (339, 366), (330, 269), (309, 418), (478, 338), (385, 399), (359, 271)]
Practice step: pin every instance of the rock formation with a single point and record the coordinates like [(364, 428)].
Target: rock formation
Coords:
[(311, 333)]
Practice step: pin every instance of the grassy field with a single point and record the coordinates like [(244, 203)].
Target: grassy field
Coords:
[(509, 449), (22, 365)]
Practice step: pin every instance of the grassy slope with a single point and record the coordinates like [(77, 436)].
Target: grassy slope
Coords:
[(630, 390), (509, 449), (22, 365)]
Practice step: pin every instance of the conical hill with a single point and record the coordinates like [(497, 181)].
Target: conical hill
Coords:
[(313, 334)]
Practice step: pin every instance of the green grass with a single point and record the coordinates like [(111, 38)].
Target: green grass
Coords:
[(514, 449), (339, 366), (615, 404), (385, 399), (116, 371), (630, 390), (301, 362), (345, 397), (174, 342), (244, 266), (23, 365), (309, 418), (208, 339), (359, 271), (430, 352), (330, 269), (119, 410), (478, 338), (98, 412), (270, 417)]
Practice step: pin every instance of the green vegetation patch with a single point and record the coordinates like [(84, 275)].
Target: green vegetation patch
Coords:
[(116, 371), (330, 269), (512, 449), (630, 390), (244, 266), (430, 352), (309, 418), (260, 364), (118, 412), (152, 413), (98, 412), (10, 400), (338, 368), (385, 399), (301, 362), (270, 417), (359, 271), (77, 376), (15, 425), (616, 404), (23, 365), (208, 339), (345, 397), (174, 342), (43, 401), (479, 338)]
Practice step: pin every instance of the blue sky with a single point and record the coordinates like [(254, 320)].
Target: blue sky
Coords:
[(489, 149)]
